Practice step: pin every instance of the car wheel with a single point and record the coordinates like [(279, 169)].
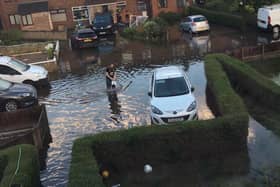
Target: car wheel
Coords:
[(11, 106), (30, 82), (276, 29)]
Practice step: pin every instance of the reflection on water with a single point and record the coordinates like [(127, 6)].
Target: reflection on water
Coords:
[(79, 104)]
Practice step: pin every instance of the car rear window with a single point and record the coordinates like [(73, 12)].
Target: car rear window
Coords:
[(86, 35), (199, 19)]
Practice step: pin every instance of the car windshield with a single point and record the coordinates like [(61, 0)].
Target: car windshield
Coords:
[(102, 19), (19, 65), (171, 87), (4, 85), (199, 19), (86, 35)]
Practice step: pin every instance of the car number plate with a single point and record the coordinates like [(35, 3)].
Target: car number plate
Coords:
[(102, 32), (175, 119), (87, 40)]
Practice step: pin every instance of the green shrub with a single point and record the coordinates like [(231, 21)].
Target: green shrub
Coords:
[(252, 82), (11, 37), (228, 102), (221, 18), (170, 17), (28, 174), (129, 32), (152, 29), (3, 164)]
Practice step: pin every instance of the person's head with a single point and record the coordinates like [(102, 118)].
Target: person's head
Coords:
[(111, 65)]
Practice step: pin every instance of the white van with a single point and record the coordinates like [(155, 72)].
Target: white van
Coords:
[(269, 18)]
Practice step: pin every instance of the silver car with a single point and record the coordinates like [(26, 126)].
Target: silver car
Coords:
[(195, 24)]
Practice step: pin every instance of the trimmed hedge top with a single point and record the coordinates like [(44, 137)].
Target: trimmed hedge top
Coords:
[(22, 166), (228, 102), (254, 83)]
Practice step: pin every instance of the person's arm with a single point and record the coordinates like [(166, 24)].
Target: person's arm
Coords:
[(115, 76)]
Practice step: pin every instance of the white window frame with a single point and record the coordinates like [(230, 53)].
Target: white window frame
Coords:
[(80, 8), (27, 20)]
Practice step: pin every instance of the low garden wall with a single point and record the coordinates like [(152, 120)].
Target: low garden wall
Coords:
[(44, 35), (23, 48), (126, 149), (19, 166)]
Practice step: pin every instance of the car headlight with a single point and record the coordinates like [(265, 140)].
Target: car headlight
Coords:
[(155, 110), (109, 26), (38, 75), (94, 28), (25, 94), (192, 107)]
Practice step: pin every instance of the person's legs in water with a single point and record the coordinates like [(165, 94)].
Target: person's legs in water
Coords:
[(108, 83)]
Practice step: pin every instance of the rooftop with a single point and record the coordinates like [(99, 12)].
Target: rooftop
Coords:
[(168, 72)]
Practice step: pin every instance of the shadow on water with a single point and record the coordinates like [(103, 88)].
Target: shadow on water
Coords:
[(78, 103)]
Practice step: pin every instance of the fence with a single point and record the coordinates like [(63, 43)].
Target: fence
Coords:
[(29, 126), (255, 52)]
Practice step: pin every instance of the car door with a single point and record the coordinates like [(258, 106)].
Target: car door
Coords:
[(10, 74)]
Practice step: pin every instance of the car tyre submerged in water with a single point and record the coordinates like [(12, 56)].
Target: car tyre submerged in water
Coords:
[(11, 106), (276, 29)]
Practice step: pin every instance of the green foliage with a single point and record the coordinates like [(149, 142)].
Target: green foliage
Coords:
[(252, 82), (221, 18), (10, 37), (129, 32), (170, 17), (28, 174), (50, 52), (3, 164), (152, 29), (228, 102)]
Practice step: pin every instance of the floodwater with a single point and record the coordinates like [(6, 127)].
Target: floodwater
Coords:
[(78, 103)]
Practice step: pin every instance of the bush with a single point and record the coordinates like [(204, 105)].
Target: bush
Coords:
[(227, 101), (170, 17), (152, 29), (129, 32), (11, 37), (221, 18), (28, 174), (252, 82)]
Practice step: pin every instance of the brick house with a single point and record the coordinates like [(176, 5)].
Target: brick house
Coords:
[(58, 15)]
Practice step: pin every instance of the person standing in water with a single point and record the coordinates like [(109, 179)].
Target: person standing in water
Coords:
[(111, 76)]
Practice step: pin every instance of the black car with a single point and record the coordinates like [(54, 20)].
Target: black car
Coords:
[(103, 24), (82, 38), (14, 96)]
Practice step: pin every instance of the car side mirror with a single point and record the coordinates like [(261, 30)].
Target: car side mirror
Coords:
[(150, 94), (192, 89)]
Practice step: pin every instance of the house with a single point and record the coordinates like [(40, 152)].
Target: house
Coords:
[(60, 15)]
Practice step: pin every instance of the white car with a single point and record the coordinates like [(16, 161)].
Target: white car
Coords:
[(17, 71), (195, 24), (269, 18), (171, 96)]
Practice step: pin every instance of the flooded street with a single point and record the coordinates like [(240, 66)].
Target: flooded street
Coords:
[(79, 104)]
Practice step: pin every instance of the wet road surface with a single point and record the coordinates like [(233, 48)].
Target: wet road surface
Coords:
[(79, 104)]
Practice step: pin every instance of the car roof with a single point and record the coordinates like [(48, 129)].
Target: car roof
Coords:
[(87, 30), (168, 72), (4, 59), (196, 16)]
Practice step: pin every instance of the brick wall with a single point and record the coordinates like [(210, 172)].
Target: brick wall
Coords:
[(41, 22)]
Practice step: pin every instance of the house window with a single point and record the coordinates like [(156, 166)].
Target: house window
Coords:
[(14, 19), (141, 6), (27, 19), (80, 13), (58, 15), (181, 3), (162, 3)]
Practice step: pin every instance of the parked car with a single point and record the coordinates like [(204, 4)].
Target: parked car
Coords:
[(269, 18), (103, 24), (195, 24), (171, 96), (14, 96), (17, 71), (85, 37)]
